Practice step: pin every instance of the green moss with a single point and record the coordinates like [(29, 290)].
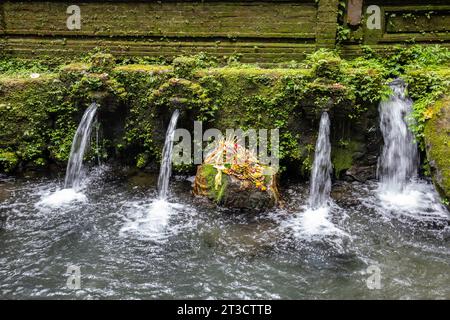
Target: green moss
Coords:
[(342, 160), (140, 136), (18, 81), (39, 116), (325, 64), (426, 85), (367, 80), (8, 160), (186, 66), (12, 66), (208, 172), (101, 62), (152, 69), (249, 70), (34, 119), (76, 67), (426, 79), (308, 159), (142, 160), (437, 141), (342, 156)]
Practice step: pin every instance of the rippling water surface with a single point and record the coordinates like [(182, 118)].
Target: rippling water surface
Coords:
[(129, 244)]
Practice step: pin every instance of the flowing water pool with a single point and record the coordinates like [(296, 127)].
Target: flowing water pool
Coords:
[(129, 244)]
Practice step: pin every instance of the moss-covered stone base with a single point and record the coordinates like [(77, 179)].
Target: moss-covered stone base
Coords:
[(235, 193), (437, 142), (39, 114)]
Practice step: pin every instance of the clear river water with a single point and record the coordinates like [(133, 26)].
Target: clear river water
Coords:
[(128, 243)]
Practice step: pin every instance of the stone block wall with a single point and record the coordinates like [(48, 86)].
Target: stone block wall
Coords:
[(259, 31)]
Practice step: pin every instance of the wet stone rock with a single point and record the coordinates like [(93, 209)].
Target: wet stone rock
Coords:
[(437, 143), (235, 193), (242, 195), (362, 173), (342, 194)]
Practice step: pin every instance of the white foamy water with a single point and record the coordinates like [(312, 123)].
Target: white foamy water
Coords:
[(51, 196), (318, 228), (313, 224), (61, 198), (417, 200), (150, 221)]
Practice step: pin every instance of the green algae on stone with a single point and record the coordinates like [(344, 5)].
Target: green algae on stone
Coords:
[(8, 160), (33, 119), (224, 97), (437, 143), (145, 68), (206, 179), (140, 138), (235, 193)]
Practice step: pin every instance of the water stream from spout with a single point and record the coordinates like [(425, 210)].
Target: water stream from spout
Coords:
[(151, 221), (166, 162), (398, 163), (400, 191), (315, 221), (80, 144), (320, 187)]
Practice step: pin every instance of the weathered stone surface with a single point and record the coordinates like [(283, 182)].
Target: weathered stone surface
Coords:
[(362, 174), (437, 142), (262, 31), (233, 192), (136, 99), (161, 28), (354, 12)]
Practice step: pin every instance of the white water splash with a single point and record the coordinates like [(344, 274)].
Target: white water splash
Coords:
[(417, 200), (61, 198), (52, 199), (313, 223), (150, 221)]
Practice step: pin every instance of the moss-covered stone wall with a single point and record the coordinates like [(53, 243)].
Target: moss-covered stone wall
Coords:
[(437, 142), (35, 123), (258, 31), (39, 113), (402, 22)]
